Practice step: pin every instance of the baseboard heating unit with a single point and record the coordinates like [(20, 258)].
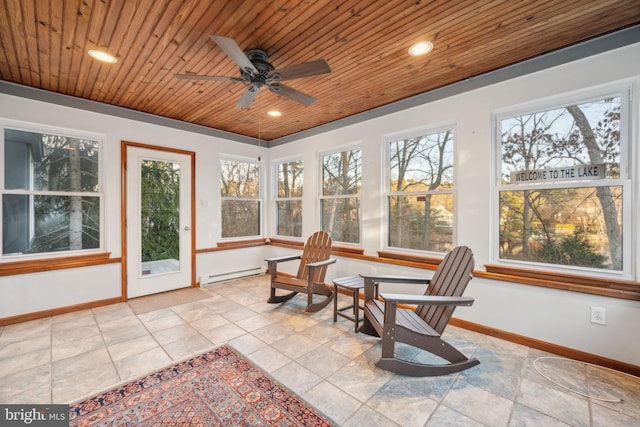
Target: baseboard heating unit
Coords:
[(210, 279)]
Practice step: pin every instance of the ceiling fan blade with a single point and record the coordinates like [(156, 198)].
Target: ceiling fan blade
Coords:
[(292, 94), (308, 69), (248, 96), (230, 47), (197, 77)]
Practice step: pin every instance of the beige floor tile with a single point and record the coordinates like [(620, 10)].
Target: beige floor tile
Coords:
[(254, 322), (24, 362), (9, 349), (273, 332), (359, 380), (174, 333), (332, 401), (188, 347), (295, 346), (402, 406), (269, 359), (209, 322), (116, 331), (27, 386), (523, 416), (27, 330), (447, 417), (366, 416), (296, 377), (80, 364), (323, 361), (139, 364), (76, 347), (68, 334), (123, 349), (224, 333), (566, 407), (84, 384), (247, 344), (473, 402)]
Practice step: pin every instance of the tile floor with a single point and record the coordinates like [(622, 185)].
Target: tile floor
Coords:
[(65, 358)]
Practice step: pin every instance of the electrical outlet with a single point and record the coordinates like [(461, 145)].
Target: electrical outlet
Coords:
[(598, 315)]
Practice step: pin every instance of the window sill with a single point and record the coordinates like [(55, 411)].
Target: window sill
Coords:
[(622, 289), (335, 249), (223, 246), (13, 268)]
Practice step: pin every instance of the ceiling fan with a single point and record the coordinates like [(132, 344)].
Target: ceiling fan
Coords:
[(258, 73)]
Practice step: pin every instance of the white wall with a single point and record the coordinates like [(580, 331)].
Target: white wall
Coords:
[(550, 315), (47, 290)]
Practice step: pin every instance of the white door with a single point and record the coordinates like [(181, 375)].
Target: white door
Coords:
[(159, 235)]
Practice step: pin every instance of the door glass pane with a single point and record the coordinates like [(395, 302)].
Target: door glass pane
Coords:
[(159, 216)]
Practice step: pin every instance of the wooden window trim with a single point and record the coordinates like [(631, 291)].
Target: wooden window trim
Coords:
[(623, 289), (13, 268), (338, 250), (238, 244)]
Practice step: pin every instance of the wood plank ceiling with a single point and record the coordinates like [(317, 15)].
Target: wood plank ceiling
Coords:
[(45, 43)]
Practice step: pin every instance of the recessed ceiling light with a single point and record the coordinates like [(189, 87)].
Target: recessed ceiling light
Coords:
[(420, 48), (103, 56), (274, 113)]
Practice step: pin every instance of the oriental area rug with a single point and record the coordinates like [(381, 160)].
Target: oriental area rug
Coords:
[(217, 388)]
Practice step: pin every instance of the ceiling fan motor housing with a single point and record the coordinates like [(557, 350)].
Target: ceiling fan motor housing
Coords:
[(258, 58)]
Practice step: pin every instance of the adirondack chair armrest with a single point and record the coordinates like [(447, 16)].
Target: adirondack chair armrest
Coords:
[(321, 263), (372, 281), (283, 258), (426, 299), (272, 263), (385, 278), (318, 264)]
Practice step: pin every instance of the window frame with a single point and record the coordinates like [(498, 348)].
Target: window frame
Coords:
[(259, 199), (276, 198), (99, 194), (386, 176), (625, 91), (321, 155)]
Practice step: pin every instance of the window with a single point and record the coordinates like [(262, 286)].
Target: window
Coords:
[(340, 199), (420, 192), (563, 178), (240, 198), (289, 180), (51, 200)]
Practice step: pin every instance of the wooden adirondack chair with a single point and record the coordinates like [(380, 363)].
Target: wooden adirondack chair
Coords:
[(310, 278), (423, 326)]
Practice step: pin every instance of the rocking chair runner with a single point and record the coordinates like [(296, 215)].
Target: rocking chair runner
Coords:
[(423, 326), (310, 278)]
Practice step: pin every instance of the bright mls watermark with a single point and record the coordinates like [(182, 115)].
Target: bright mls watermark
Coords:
[(34, 415)]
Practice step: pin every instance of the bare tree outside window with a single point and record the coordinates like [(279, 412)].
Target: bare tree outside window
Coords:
[(51, 199), (420, 201), (290, 177), (561, 186), (240, 198), (340, 199)]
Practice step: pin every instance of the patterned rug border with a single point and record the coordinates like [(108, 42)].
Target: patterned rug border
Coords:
[(294, 405)]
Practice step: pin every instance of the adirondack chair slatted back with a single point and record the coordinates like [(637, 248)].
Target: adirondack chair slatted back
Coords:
[(450, 279), (317, 248)]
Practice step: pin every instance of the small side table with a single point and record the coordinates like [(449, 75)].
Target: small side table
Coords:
[(352, 284)]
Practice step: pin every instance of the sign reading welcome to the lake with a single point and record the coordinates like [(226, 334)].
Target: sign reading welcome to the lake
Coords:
[(559, 174)]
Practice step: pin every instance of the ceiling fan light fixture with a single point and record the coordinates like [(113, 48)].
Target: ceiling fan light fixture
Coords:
[(420, 48), (102, 56), (274, 113)]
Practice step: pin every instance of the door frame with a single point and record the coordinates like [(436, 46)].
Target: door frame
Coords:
[(124, 146)]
